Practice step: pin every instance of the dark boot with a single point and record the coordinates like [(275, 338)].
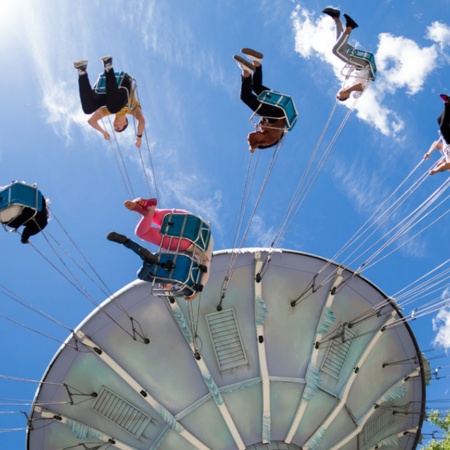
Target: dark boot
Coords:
[(116, 237), (335, 13), (350, 22)]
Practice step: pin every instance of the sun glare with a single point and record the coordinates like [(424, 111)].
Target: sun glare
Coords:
[(9, 15)]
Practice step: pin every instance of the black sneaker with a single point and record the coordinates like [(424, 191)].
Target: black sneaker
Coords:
[(350, 22), (107, 62), (147, 256), (335, 13), (116, 237)]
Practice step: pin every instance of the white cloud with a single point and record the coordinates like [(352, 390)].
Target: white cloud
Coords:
[(401, 63), (439, 33), (441, 324), (260, 234)]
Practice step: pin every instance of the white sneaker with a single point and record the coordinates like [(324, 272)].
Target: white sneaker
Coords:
[(107, 62), (252, 54), (80, 65), (244, 65)]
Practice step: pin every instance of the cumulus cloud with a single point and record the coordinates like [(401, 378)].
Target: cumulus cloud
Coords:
[(441, 324), (401, 62), (439, 33)]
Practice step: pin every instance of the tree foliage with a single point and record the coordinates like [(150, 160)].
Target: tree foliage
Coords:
[(443, 422)]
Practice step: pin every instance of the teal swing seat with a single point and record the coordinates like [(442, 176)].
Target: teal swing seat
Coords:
[(189, 227), (100, 84), (366, 56), (283, 102), (15, 197), (175, 275), (124, 81)]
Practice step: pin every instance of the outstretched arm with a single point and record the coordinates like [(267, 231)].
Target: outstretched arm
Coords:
[(435, 145), (94, 123), (137, 113)]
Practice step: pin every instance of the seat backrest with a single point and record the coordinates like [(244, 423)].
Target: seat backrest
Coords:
[(366, 56), (284, 102), (22, 194), (100, 84), (187, 226), (175, 274), (17, 196)]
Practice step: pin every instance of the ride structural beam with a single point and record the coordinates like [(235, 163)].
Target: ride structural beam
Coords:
[(166, 415)]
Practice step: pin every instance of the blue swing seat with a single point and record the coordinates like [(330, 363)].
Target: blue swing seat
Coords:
[(175, 275), (284, 102), (100, 85), (187, 226), (16, 196), (366, 56)]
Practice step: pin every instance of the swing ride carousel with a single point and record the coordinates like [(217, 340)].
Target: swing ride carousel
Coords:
[(286, 351), (278, 350)]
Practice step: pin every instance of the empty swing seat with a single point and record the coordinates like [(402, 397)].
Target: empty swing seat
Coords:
[(175, 274), (366, 56), (284, 102), (100, 85), (187, 226), (15, 197)]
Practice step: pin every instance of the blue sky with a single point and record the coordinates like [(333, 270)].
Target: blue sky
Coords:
[(180, 53)]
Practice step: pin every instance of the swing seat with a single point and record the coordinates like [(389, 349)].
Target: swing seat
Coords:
[(100, 84), (15, 197), (366, 56), (187, 226), (284, 102), (175, 274)]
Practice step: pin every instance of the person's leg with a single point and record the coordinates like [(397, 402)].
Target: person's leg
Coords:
[(339, 28), (116, 98), (147, 232), (258, 87), (251, 100), (152, 234), (172, 244), (247, 95), (441, 167), (144, 254), (159, 214), (257, 81), (134, 247), (90, 101), (341, 49)]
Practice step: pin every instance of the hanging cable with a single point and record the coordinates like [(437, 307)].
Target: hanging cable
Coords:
[(80, 288), (235, 254), (150, 159), (30, 306), (307, 181), (120, 164)]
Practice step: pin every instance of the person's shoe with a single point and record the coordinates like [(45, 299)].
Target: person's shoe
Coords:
[(147, 256), (253, 55), (116, 237), (244, 65), (445, 98), (107, 62), (140, 205), (349, 22), (145, 203), (81, 65), (335, 13)]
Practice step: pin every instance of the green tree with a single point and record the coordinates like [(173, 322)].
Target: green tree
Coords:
[(444, 424)]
